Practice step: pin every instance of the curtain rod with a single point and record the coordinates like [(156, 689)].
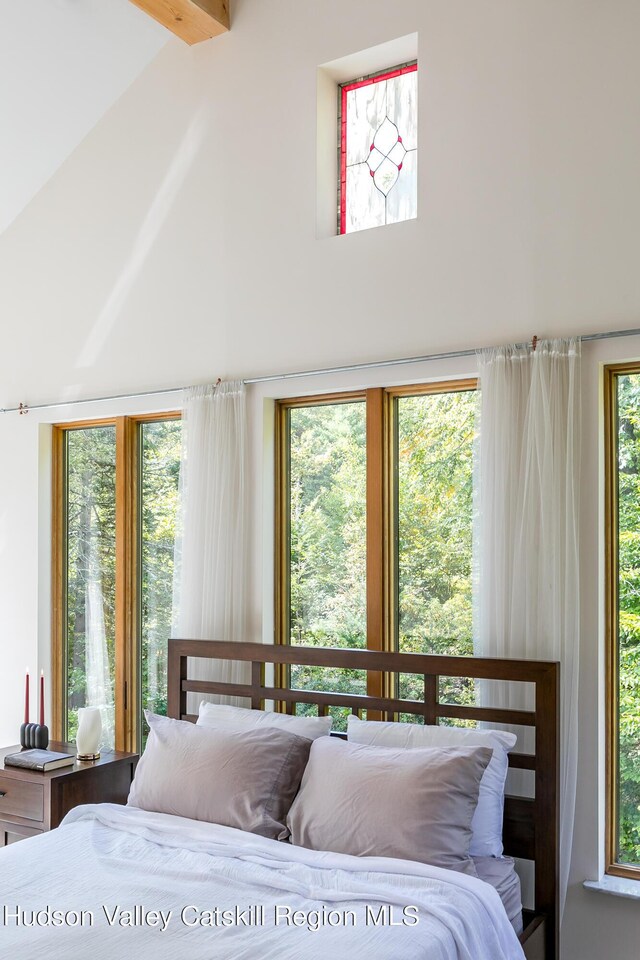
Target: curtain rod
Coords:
[(347, 368)]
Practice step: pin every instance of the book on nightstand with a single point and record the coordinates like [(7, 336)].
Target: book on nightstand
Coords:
[(39, 760)]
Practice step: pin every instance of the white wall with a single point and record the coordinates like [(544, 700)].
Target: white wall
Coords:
[(62, 65), (19, 577), (178, 243), (179, 240)]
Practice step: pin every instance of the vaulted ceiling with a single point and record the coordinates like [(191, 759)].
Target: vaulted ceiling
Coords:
[(63, 64)]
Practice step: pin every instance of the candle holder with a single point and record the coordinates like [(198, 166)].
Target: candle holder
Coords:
[(34, 736)]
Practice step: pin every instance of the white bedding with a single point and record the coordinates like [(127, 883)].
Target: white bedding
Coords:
[(500, 872), (107, 858)]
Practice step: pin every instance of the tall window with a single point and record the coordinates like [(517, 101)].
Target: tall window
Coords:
[(326, 544), (378, 129), (622, 426), (433, 466), (115, 507), (374, 525)]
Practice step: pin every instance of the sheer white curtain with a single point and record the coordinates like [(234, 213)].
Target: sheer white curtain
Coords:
[(528, 601), (97, 671), (209, 601)]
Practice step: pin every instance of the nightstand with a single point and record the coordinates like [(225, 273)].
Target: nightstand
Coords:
[(33, 802)]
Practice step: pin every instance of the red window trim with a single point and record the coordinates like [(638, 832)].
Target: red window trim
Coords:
[(345, 88)]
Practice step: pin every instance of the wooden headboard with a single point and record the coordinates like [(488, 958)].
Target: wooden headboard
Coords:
[(530, 825)]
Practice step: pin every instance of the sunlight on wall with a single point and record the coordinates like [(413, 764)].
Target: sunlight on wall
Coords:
[(147, 235)]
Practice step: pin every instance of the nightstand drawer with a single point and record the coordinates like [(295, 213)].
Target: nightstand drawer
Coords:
[(21, 798)]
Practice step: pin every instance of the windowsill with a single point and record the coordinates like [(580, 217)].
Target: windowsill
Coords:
[(615, 886)]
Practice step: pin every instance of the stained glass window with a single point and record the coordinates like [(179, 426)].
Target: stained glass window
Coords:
[(378, 131)]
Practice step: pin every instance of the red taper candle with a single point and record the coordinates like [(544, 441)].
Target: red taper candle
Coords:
[(26, 698), (42, 698)]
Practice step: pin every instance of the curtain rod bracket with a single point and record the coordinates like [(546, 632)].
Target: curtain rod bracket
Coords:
[(23, 408), (534, 342)]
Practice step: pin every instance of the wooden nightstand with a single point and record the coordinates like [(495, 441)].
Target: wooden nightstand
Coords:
[(33, 802)]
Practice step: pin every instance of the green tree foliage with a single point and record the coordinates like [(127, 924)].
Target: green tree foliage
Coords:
[(328, 538), (328, 532), (160, 474), (629, 615), (91, 552), (435, 509)]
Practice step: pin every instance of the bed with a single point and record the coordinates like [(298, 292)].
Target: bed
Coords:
[(154, 885)]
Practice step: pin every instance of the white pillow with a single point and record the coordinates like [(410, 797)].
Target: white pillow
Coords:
[(217, 714), (487, 819)]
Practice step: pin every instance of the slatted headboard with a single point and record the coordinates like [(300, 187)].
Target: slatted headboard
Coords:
[(530, 825)]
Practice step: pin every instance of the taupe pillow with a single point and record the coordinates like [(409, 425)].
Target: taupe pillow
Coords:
[(237, 777), (486, 826), (386, 802)]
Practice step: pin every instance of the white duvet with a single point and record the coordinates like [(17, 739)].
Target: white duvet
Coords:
[(116, 882)]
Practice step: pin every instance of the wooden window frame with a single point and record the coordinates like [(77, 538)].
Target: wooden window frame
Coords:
[(381, 519), (612, 675), (127, 625)]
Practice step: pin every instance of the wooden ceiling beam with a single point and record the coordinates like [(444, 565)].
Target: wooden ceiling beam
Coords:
[(191, 20)]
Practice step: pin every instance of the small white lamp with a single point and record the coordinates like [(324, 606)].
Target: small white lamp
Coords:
[(89, 733)]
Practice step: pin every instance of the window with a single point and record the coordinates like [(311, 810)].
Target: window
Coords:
[(373, 528), (622, 492), (378, 134), (115, 507)]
